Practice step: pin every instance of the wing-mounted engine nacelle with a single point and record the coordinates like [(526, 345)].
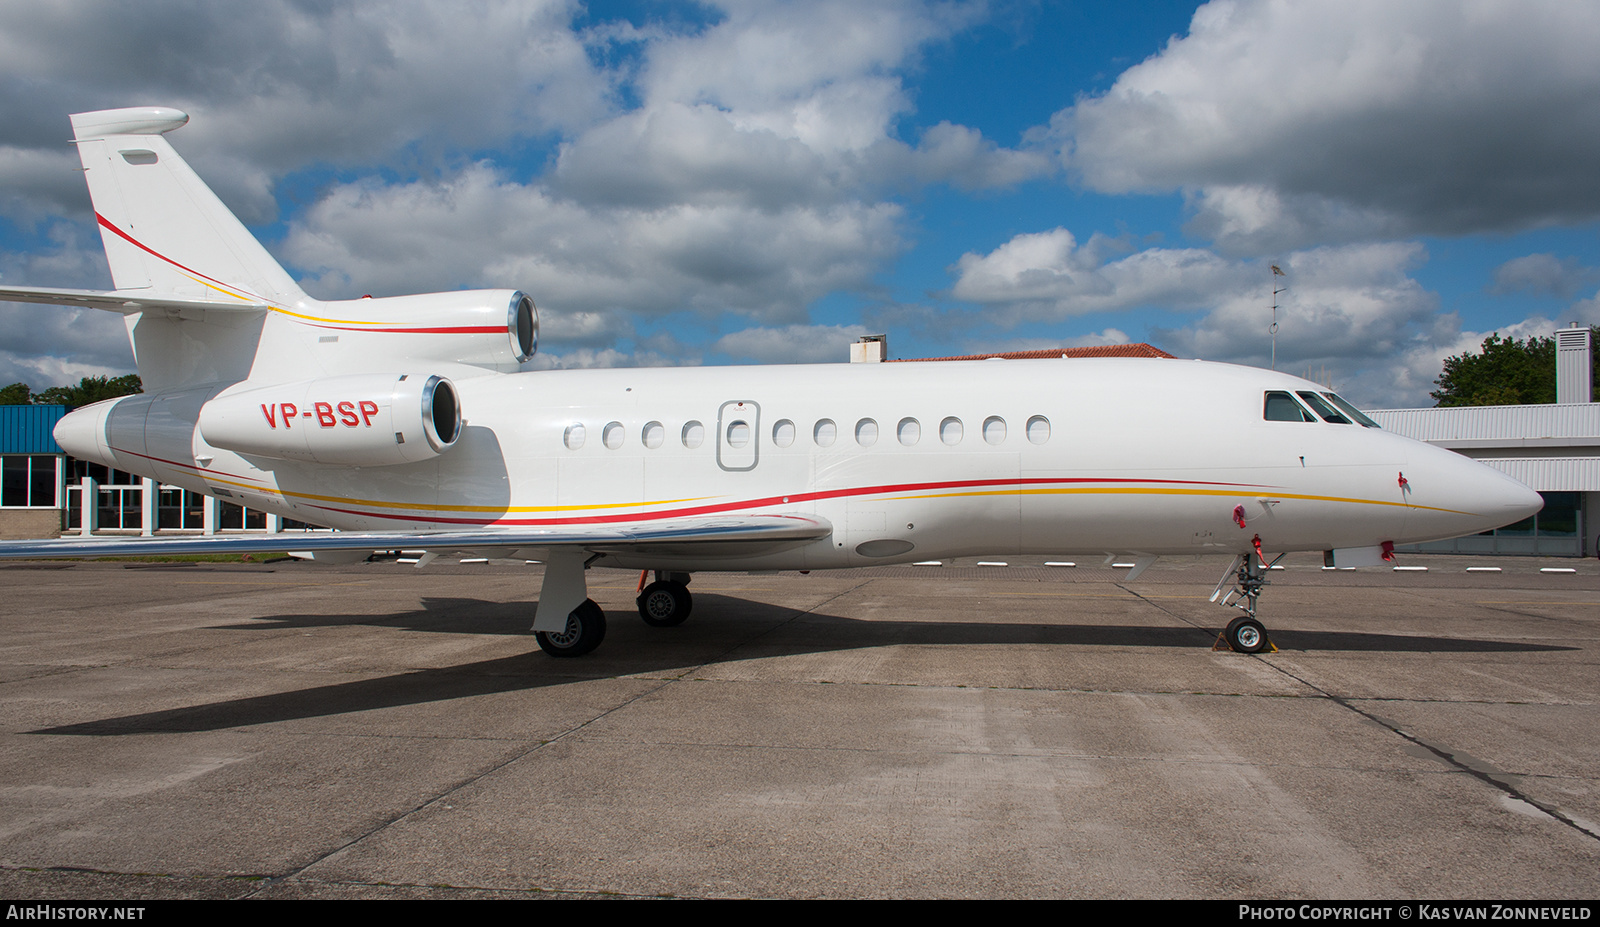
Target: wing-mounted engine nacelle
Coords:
[(366, 420)]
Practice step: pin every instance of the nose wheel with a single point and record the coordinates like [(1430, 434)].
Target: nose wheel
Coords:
[(1244, 634)]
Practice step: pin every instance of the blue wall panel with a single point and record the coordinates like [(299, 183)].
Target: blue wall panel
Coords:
[(26, 429)]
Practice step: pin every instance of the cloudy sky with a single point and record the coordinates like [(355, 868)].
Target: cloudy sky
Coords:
[(760, 182)]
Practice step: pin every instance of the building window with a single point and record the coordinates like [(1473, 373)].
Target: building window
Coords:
[(29, 481)]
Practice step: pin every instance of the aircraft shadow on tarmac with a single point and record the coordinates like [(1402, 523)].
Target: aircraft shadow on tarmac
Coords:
[(722, 628)]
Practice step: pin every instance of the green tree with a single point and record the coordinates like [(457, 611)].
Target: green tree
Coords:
[(1507, 372), (17, 394), (90, 389)]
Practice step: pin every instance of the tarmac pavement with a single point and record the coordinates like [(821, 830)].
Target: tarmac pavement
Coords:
[(293, 730)]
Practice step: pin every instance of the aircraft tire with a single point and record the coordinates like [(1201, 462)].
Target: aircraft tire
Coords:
[(1247, 635), (665, 604), (586, 628)]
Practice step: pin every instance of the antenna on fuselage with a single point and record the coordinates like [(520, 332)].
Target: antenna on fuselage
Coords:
[(1273, 328)]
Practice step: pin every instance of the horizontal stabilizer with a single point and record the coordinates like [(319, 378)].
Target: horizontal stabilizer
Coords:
[(126, 302), (750, 533)]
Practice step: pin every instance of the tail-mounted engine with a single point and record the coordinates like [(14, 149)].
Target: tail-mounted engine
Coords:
[(491, 329), (367, 420)]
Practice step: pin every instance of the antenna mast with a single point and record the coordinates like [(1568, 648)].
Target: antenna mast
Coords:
[(1273, 328)]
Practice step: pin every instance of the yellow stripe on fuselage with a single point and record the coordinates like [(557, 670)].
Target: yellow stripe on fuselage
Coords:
[(1175, 492)]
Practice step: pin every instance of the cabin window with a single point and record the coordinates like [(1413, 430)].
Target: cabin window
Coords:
[(994, 429), (612, 435), (694, 435), (1038, 429), (909, 431), (574, 436), (867, 432), (824, 433), (1281, 407), (1352, 411), (738, 433), (783, 433), (654, 435), (950, 431), (1322, 408)]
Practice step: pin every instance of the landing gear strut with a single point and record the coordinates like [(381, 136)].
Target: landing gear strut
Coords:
[(666, 602), (1245, 634)]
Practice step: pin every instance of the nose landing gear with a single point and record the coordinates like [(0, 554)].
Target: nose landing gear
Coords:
[(1244, 634)]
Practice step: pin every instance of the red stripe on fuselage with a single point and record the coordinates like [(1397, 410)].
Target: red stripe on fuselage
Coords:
[(790, 499), (175, 463)]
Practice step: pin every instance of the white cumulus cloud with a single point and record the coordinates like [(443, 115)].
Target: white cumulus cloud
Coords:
[(1291, 123)]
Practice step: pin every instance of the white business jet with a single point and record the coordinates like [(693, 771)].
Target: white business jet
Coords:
[(407, 422)]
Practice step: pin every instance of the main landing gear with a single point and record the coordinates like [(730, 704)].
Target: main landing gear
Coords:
[(1245, 634), (586, 628), (666, 602)]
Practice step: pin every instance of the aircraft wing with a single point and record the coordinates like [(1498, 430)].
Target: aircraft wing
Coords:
[(728, 535), (123, 301)]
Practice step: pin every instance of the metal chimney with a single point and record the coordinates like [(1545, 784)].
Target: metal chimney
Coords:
[(1574, 366)]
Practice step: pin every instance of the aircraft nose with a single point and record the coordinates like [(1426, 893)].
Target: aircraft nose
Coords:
[(1493, 497), (1520, 499)]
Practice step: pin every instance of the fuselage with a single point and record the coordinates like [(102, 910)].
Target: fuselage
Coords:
[(907, 461)]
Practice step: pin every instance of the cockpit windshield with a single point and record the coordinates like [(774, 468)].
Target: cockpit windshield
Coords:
[(1352, 411), (1281, 407), (1317, 403)]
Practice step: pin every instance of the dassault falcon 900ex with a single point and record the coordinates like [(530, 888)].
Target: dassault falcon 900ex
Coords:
[(407, 422)]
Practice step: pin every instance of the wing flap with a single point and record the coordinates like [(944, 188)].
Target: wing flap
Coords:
[(730, 535)]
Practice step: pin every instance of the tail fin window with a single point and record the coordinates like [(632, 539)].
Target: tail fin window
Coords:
[(1350, 410), (1281, 407), (1327, 412)]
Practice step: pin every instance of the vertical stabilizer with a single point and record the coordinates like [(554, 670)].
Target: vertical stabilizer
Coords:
[(162, 227)]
